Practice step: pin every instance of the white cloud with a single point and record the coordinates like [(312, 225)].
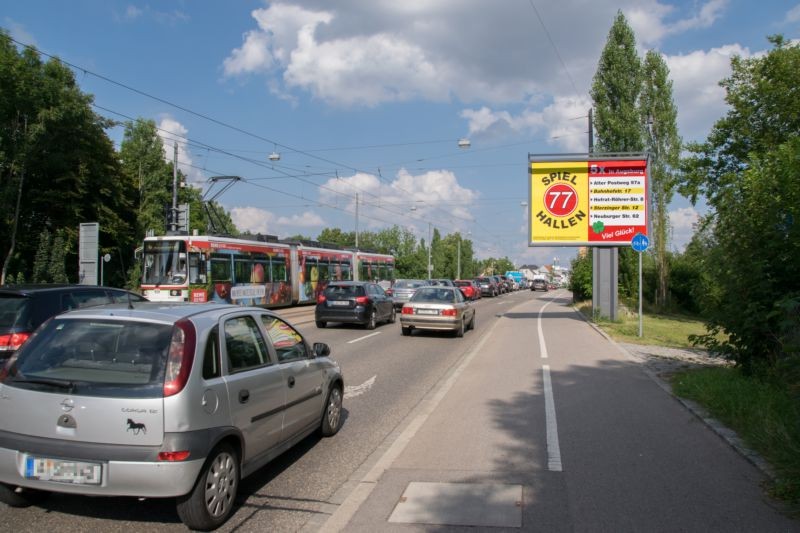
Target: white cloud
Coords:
[(563, 122), (651, 22), (171, 132), (683, 221), (409, 200), (132, 12), (699, 98), (257, 220), (18, 32), (793, 15)]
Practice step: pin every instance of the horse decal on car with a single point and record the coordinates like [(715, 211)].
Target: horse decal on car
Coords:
[(136, 427)]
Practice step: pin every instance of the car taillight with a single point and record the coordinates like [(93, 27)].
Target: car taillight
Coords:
[(449, 312), (389, 292), (180, 357), (407, 310), (173, 456), (12, 341), (321, 299), (362, 300)]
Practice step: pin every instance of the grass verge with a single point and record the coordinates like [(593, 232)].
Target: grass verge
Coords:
[(764, 414), (662, 330)]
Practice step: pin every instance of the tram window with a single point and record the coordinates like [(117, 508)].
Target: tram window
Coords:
[(278, 269), (242, 270), (220, 269)]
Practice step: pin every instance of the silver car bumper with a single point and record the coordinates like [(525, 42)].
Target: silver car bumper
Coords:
[(118, 478)]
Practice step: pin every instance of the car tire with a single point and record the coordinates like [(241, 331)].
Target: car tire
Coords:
[(211, 501), (460, 329), (332, 417), (22, 498), (472, 322), (321, 324), (372, 321), (393, 316), (406, 331)]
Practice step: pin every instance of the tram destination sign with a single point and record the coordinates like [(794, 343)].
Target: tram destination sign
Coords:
[(587, 201)]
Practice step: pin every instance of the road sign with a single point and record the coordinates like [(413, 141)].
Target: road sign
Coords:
[(640, 242)]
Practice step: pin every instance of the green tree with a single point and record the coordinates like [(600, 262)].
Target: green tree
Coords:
[(658, 111), (615, 92), (747, 171), (580, 281), (55, 149), (56, 271)]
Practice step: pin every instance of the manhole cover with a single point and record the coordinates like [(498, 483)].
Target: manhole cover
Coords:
[(460, 504)]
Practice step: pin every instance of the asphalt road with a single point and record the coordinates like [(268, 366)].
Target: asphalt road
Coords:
[(386, 376), (534, 400)]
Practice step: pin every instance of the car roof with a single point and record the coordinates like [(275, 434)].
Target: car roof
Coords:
[(32, 288), (348, 283), (168, 312)]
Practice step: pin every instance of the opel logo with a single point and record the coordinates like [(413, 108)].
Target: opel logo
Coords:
[(67, 405)]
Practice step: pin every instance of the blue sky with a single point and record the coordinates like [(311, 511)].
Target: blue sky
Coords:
[(371, 98)]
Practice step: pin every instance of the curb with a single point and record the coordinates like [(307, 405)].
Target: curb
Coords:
[(725, 433)]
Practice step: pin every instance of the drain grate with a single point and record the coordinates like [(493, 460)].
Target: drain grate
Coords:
[(460, 504)]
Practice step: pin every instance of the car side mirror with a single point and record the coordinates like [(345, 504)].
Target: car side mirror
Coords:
[(321, 349)]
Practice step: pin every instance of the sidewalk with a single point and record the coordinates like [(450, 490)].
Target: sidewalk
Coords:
[(474, 456)]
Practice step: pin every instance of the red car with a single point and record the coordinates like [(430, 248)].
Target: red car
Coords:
[(468, 288)]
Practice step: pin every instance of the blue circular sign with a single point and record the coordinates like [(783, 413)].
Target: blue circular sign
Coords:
[(640, 242)]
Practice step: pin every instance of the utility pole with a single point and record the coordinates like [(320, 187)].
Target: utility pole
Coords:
[(430, 246), (174, 218), (356, 222)]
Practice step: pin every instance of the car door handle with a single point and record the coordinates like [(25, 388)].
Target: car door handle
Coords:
[(244, 395), (291, 381)]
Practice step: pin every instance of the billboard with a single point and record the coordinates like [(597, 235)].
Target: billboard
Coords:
[(587, 201)]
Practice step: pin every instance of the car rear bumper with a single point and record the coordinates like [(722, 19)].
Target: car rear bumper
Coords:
[(433, 323), (118, 478), (358, 315)]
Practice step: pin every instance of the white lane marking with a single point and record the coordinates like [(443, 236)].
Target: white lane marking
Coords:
[(364, 337), (358, 390), (553, 450), (542, 346)]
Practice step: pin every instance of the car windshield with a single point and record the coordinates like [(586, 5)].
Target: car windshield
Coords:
[(94, 358), (343, 291), (434, 294), (462, 283)]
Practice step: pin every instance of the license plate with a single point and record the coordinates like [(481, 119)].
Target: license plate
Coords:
[(340, 303), (63, 471), (427, 311)]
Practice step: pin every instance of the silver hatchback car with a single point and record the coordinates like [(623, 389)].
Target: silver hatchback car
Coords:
[(160, 400)]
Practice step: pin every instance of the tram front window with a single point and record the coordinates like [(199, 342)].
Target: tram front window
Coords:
[(164, 263)]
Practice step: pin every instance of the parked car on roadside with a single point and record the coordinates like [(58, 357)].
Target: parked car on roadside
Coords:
[(488, 286), (441, 282), (539, 285), (354, 302), (24, 307), (468, 287), (403, 289), (158, 400), (502, 288), (438, 309)]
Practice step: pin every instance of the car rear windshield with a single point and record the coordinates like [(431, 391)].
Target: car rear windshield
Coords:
[(462, 283), (108, 358), (343, 291), (406, 284), (433, 294), (14, 311)]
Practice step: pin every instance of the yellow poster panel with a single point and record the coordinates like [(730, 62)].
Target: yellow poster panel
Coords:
[(559, 201)]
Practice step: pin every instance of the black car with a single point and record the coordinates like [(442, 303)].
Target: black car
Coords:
[(539, 285), (354, 302), (24, 307)]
